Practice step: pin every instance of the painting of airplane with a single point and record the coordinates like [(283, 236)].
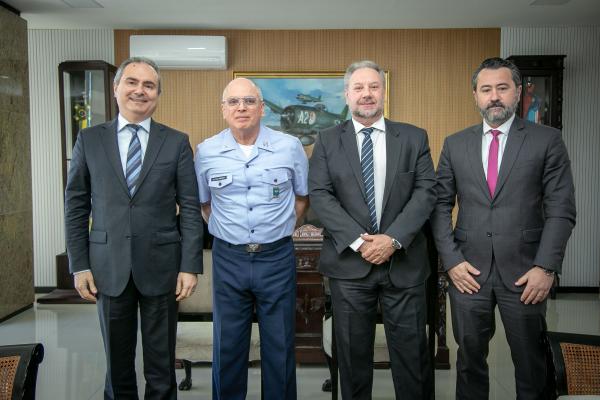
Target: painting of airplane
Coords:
[(305, 121), (307, 98), (301, 104)]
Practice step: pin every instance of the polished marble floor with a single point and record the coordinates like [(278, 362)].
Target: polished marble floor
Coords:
[(74, 364)]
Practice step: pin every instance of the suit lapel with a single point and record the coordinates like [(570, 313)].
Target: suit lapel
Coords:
[(393, 147), (474, 157), (515, 139), (155, 142), (348, 139), (111, 148)]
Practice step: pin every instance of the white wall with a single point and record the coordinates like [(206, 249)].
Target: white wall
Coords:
[(581, 112), (48, 48)]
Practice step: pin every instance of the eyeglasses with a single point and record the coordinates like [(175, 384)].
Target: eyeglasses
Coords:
[(249, 101)]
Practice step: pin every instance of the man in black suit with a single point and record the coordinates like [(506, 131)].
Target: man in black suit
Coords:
[(371, 183), (130, 175), (516, 209)]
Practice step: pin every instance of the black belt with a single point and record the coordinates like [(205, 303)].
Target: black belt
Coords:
[(258, 247)]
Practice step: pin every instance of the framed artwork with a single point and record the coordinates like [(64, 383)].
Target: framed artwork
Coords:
[(535, 98), (542, 88), (303, 103)]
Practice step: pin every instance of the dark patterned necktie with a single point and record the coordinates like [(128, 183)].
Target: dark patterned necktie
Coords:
[(134, 159), (366, 163)]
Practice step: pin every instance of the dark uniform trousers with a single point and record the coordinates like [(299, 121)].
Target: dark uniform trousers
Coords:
[(245, 282)]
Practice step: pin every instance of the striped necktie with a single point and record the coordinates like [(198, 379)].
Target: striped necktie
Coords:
[(134, 159), (366, 163)]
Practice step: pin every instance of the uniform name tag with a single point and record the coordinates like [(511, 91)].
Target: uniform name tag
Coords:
[(218, 178)]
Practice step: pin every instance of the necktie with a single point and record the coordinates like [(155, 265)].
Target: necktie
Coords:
[(134, 159), (366, 163), (492, 170)]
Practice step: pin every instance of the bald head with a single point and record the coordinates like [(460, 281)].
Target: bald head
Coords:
[(243, 84), (243, 108)]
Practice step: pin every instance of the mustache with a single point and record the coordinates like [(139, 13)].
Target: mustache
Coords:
[(496, 103), (366, 100)]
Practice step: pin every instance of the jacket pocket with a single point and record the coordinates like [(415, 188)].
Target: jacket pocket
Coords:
[(532, 235), (97, 236), (460, 235), (166, 237)]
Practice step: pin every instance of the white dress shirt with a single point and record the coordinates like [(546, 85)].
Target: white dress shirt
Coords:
[(379, 164), (124, 135), (486, 141)]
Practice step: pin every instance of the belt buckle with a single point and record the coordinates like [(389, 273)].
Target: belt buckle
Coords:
[(253, 247)]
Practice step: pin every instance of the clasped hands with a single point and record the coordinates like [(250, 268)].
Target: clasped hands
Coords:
[(376, 249), (84, 283), (538, 283)]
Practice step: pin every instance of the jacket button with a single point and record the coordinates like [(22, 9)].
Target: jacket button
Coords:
[(489, 234)]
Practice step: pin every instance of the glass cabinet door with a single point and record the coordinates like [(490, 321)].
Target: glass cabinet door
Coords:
[(86, 89)]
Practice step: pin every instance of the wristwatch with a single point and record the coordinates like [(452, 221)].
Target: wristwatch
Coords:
[(548, 272), (396, 244)]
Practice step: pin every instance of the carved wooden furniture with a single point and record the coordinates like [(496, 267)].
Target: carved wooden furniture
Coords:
[(310, 299), (86, 99), (542, 93)]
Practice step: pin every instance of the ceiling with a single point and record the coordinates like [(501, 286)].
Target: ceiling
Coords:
[(305, 14)]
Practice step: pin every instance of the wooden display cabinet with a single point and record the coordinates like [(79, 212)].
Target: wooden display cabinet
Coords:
[(542, 93)]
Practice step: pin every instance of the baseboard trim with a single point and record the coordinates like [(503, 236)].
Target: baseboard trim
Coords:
[(577, 289), (19, 311), (44, 289)]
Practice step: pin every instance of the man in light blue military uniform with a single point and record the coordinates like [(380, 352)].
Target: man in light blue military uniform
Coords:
[(253, 189)]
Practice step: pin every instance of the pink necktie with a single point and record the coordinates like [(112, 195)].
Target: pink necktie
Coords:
[(492, 170)]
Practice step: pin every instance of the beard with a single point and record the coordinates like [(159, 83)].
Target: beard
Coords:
[(367, 114), (495, 118)]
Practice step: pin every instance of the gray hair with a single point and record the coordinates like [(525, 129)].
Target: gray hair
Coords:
[(497, 63), (140, 60), (363, 64), (254, 85)]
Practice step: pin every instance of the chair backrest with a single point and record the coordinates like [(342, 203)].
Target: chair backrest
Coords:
[(575, 368), (199, 304), (18, 370)]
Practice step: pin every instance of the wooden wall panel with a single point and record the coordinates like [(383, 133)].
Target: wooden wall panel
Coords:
[(429, 70)]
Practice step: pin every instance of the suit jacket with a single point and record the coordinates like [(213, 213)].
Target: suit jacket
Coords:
[(337, 195), (136, 235), (531, 215)]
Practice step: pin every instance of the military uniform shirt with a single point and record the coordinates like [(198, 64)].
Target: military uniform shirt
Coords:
[(252, 198)]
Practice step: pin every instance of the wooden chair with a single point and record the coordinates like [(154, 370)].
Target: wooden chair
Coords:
[(573, 365), (18, 370)]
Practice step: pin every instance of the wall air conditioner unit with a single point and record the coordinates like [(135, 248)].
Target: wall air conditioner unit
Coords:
[(181, 51)]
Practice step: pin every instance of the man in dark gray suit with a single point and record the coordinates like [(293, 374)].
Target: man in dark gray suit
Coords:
[(371, 183), (516, 211), (129, 175)]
